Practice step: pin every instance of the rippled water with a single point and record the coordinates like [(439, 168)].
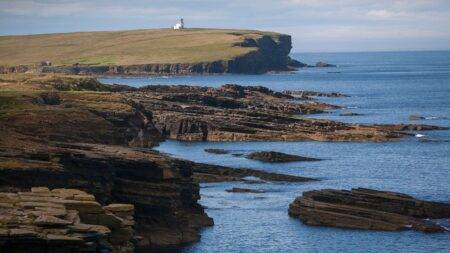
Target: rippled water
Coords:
[(385, 88)]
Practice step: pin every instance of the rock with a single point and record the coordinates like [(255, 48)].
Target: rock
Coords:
[(368, 209), (214, 173), (89, 228), (119, 208), (51, 221), (217, 151), (37, 227), (40, 190), (324, 65), (277, 157), (416, 117), (350, 114), (245, 190), (296, 64), (50, 98)]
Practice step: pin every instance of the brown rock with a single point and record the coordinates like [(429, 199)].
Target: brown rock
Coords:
[(49, 220), (368, 209), (119, 208)]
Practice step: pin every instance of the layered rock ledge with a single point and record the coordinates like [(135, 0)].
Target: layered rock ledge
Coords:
[(368, 209), (63, 220)]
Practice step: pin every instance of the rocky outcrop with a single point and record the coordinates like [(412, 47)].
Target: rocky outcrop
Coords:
[(278, 157), (368, 209), (165, 197), (269, 52), (252, 113), (207, 173), (63, 220)]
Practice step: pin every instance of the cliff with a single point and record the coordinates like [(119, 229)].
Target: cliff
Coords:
[(38, 131), (143, 52)]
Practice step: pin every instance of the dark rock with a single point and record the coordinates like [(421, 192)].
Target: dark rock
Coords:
[(278, 157), (217, 151), (296, 64), (368, 209), (416, 117), (50, 98), (350, 114), (214, 173), (324, 65), (244, 190)]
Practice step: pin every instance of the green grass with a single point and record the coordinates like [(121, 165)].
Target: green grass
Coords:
[(126, 47)]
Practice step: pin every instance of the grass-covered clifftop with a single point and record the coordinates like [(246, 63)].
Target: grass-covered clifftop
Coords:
[(151, 47)]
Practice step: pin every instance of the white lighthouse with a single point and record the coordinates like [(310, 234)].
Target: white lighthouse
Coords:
[(179, 25)]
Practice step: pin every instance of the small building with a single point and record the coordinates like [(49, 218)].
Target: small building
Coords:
[(179, 25)]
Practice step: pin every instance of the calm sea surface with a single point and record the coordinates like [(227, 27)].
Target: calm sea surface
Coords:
[(386, 87)]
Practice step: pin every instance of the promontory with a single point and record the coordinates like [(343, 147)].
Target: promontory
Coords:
[(147, 51)]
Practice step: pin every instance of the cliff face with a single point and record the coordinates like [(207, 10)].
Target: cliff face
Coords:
[(35, 152), (269, 53)]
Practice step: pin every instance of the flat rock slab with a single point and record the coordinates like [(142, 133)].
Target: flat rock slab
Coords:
[(245, 190), (368, 209), (277, 157)]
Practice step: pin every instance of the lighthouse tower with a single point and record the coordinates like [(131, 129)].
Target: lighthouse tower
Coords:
[(179, 25)]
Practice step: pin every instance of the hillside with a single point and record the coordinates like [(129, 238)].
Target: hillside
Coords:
[(148, 47)]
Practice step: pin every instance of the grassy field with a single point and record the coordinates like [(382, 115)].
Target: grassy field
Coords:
[(126, 47)]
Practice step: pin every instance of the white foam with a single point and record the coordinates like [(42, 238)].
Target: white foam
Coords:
[(420, 135)]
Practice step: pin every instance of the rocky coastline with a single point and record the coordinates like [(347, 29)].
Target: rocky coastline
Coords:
[(74, 132)]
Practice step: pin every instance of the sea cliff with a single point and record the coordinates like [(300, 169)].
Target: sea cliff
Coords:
[(224, 51)]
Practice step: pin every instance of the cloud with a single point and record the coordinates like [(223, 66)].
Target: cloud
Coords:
[(318, 21), (45, 9)]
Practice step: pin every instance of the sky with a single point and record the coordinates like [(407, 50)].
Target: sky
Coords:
[(315, 25)]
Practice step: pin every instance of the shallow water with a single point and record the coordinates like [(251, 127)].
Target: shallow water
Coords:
[(385, 88)]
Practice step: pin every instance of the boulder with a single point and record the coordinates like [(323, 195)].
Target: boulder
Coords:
[(368, 209)]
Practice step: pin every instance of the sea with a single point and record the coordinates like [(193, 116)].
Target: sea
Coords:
[(383, 87)]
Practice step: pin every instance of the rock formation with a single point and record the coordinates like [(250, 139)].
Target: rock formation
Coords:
[(207, 173), (63, 220), (244, 190), (277, 157), (368, 209)]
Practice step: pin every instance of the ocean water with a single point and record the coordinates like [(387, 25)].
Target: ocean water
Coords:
[(385, 87)]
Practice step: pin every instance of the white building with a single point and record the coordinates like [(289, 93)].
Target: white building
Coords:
[(179, 25)]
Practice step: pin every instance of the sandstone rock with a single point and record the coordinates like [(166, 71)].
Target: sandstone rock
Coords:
[(368, 209), (49, 220), (40, 190), (27, 224), (119, 208), (277, 157)]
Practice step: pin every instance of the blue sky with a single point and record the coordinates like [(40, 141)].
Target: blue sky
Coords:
[(315, 25)]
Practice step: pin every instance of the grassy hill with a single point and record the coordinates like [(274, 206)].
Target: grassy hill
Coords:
[(127, 47)]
